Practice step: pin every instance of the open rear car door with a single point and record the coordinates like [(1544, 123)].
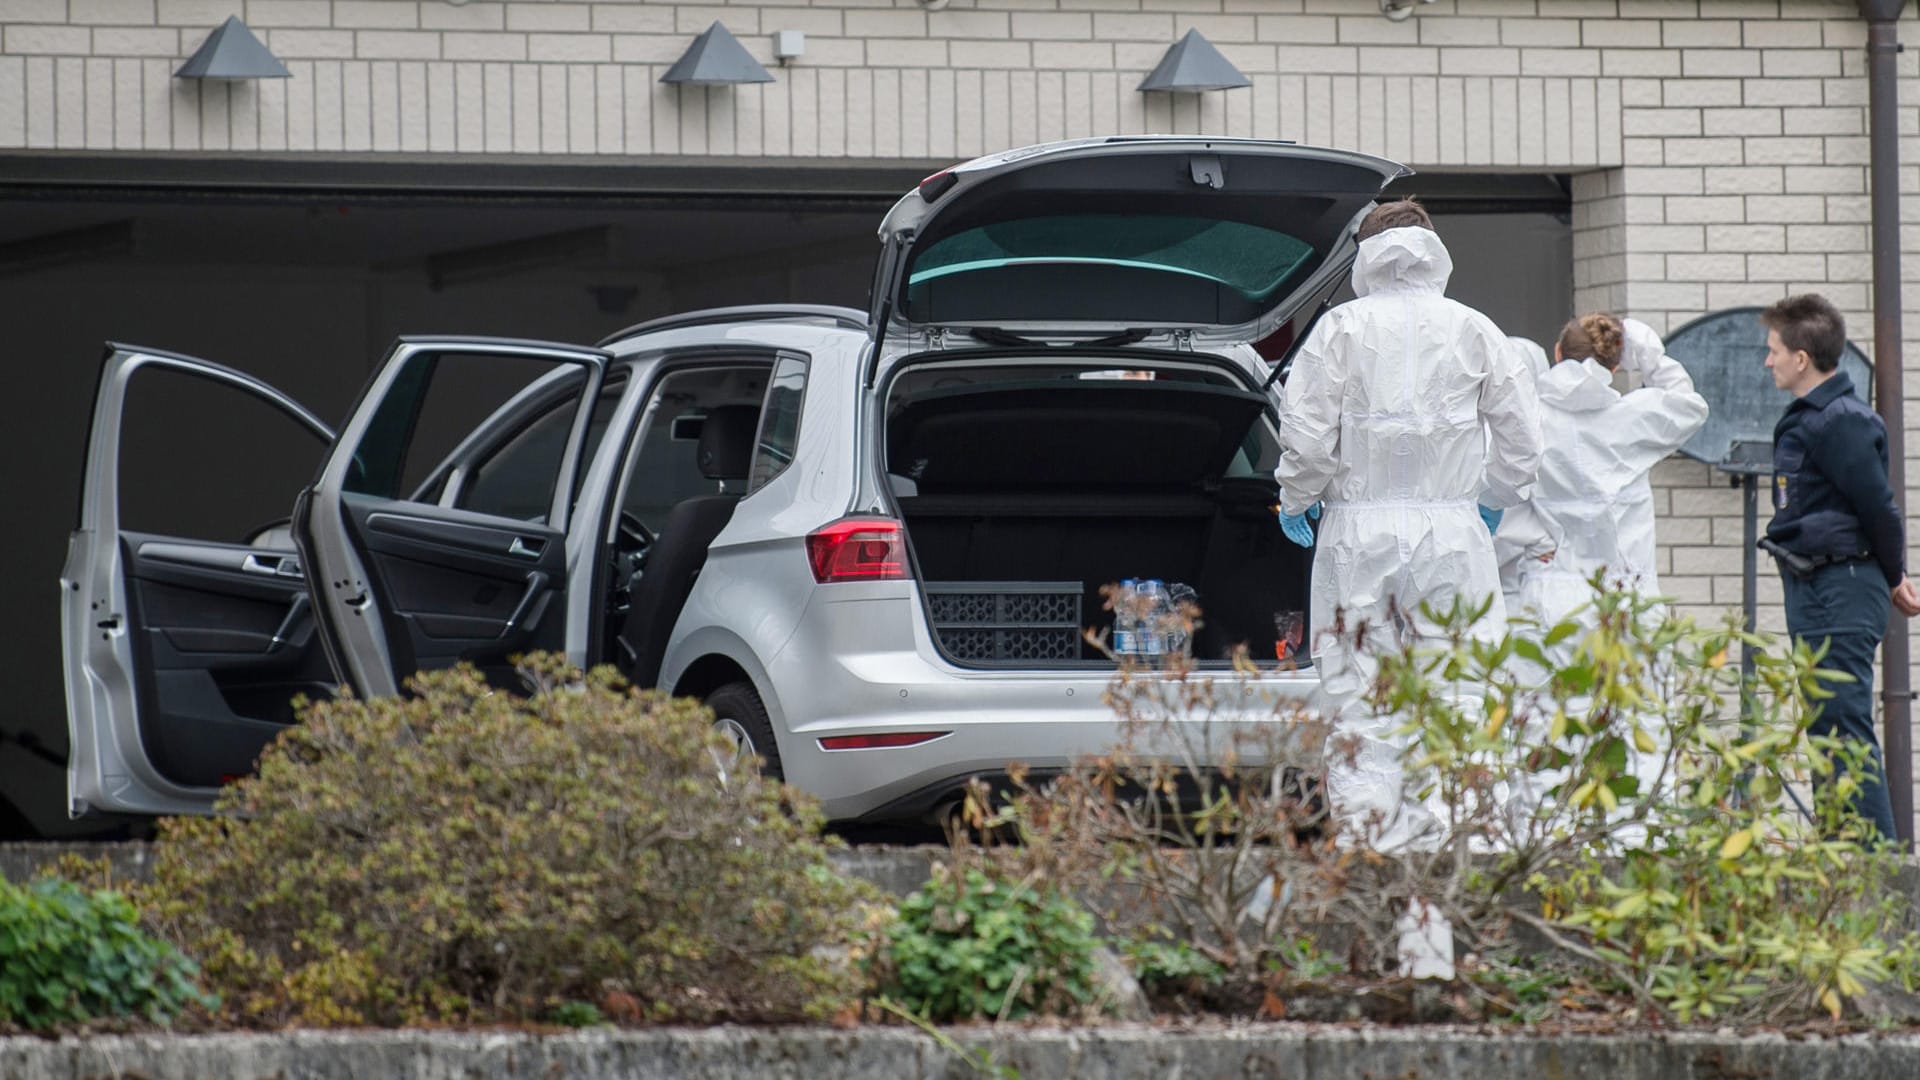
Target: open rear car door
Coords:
[(424, 554)]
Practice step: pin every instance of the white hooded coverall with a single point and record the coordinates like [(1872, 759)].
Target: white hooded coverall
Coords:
[(1534, 356), (1402, 411), (1593, 507)]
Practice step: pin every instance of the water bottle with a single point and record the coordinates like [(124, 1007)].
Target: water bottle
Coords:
[(1126, 619), (1156, 612), (1179, 637)]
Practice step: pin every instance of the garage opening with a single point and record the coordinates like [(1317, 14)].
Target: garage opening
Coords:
[(301, 273)]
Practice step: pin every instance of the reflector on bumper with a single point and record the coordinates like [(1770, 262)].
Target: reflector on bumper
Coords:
[(880, 740)]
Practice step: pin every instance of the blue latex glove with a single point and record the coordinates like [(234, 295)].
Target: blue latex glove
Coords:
[(1296, 527), (1491, 517)]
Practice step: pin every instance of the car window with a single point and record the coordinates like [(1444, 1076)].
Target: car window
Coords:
[(779, 422), (436, 403), (512, 480), (1249, 259), (664, 467), (203, 460)]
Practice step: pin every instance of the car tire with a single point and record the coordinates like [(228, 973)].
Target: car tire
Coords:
[(738, 711)]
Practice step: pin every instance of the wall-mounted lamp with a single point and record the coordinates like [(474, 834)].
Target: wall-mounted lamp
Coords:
[(232, 52), (716, 58), (1193, 66), (1400, 10)]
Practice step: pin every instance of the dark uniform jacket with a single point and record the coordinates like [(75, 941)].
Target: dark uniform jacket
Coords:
[(1830, 492)]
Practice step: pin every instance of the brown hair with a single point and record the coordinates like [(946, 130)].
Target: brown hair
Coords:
[(1393, 215), (1595, 334), (1809, 323)]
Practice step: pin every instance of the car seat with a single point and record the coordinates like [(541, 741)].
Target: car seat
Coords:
[(675, 558)]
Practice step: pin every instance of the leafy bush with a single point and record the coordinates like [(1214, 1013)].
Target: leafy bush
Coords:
[(577, 1014), (459, 854), (1609, 783), (969, 944), (1203, 826), (1658, 849), (68, 955), (1156, 960)]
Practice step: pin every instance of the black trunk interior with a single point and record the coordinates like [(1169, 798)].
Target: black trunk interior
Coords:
[(1223, 543), (1090, 482)]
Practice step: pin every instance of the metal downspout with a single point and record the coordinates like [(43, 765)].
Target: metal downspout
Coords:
[(1883, 46)]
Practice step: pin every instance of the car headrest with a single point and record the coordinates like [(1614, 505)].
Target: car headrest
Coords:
[(726, 441)]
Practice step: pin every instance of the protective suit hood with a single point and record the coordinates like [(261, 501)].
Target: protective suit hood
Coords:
[(1578, 386), (1406, 259)]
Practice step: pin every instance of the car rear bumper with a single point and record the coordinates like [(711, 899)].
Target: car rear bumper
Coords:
[(862, 663)]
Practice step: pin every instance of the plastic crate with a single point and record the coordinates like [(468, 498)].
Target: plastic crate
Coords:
[(1006, 620)]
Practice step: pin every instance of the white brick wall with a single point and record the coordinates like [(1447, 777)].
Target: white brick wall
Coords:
[(1717, 145), (1460, 90)]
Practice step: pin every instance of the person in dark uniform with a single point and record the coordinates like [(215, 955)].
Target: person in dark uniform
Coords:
[(1836, 530)]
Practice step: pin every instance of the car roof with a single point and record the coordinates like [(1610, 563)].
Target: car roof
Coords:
[(844, 318)]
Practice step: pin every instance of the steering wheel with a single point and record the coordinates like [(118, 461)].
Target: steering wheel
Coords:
[(634, 531)]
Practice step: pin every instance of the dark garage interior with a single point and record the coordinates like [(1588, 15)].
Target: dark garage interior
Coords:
[(302, 273)]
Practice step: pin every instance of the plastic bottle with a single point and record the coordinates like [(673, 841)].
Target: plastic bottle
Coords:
[(1156, 612), (1179, 639), (1126, 619)]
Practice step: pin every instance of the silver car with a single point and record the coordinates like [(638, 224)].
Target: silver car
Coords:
[(869, 540)]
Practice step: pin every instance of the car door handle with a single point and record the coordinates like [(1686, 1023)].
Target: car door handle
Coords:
[(271, 566), (521, 548), (536, 584)]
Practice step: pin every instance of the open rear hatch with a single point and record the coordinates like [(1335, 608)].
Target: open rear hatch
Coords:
[(1222, 238), (1027, 474)]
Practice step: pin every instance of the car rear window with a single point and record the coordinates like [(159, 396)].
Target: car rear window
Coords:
[(1253, 261)]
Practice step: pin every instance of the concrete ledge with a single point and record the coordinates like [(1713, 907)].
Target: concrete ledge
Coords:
[(897, 870), (731, 1053), (21, 860)]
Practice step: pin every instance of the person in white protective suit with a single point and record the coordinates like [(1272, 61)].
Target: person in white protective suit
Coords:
[(1535, 361), (1592, 510), (1593, 506), (1534, 356), (1412, 419)]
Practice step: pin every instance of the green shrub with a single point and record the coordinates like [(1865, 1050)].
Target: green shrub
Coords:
[(1610, 784), (67, 955), (460, 854), (970, 944), (1156, 960), (1689, 882), (577, 1014)]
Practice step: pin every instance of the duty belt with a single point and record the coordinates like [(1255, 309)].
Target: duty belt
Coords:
[(1803, 566)]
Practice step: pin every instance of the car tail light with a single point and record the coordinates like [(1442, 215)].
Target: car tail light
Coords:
[(857, 549), (880, 740)]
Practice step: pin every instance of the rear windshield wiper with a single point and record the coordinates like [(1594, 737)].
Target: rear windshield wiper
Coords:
[(993, 335)]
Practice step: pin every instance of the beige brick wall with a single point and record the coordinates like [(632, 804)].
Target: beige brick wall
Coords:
[(880, 79), (1718, 145)]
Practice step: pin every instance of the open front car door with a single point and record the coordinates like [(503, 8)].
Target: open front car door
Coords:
[(185, 615), (437, 531)]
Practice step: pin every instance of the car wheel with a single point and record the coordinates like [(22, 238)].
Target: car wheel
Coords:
[(739, 716)]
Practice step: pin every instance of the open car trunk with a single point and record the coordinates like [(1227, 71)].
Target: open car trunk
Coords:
[(1025, 490)]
